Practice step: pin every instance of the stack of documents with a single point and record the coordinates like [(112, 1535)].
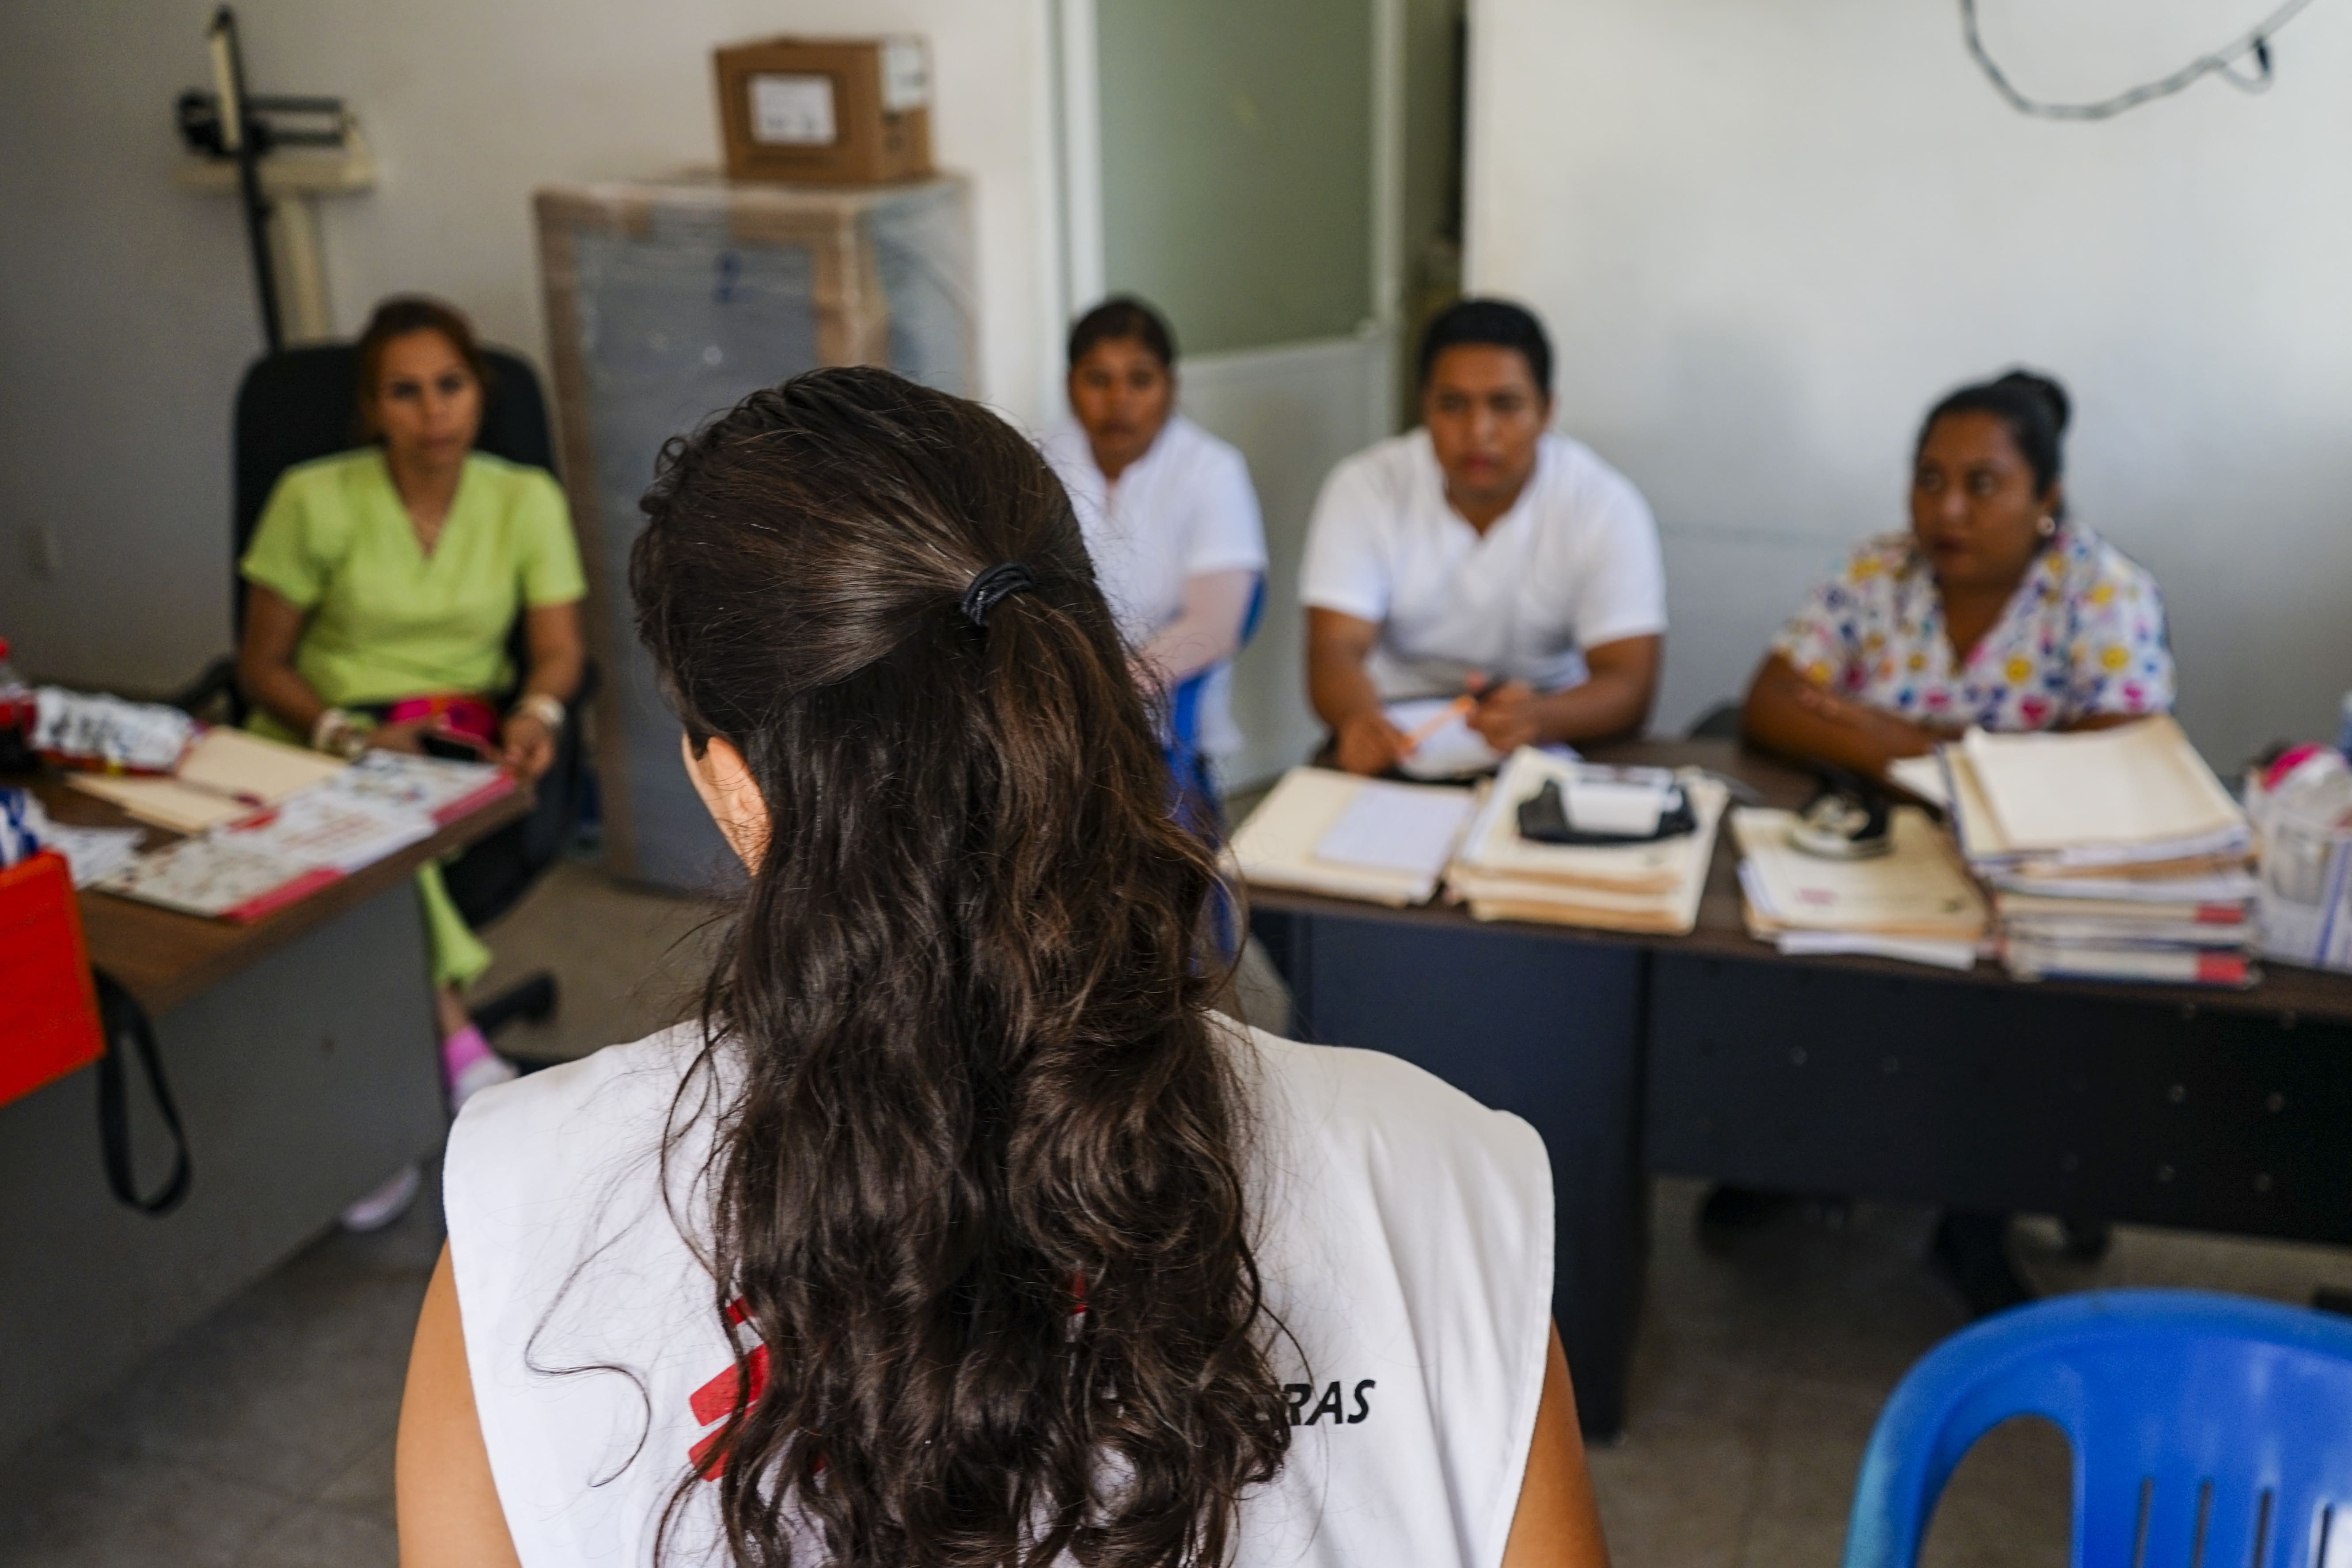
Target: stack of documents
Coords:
[(1326, 832), (262, 860), (1651, 887), (2113, 854), (1916, 903), (224, 775)]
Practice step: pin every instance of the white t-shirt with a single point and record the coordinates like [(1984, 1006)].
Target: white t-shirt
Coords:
[(1404, 1233), (1182, 509), (1573, 564)]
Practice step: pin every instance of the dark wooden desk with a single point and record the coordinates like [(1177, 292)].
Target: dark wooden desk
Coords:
[(301, 1051), (165, 958), (1712, 1054)]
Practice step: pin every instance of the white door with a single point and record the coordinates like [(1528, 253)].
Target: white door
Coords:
[(1237, 163)]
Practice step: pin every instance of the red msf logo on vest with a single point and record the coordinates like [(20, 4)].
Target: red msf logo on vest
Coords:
[(711, 1403)]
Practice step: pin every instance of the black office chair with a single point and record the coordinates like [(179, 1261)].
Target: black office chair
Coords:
[(303, 402), (1720, 722)]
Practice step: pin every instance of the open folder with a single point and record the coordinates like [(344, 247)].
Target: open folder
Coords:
[(1326, 832), (225, 774), (2134, 794)]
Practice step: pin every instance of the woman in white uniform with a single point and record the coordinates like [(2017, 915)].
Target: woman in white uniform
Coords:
[(1171, 523), (958, 1232)]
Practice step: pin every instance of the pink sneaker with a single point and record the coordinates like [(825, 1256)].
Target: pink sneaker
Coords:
[(385, 1204), (468, 1066)]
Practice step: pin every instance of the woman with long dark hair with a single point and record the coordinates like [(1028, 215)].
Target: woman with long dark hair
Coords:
[(958, 1230)]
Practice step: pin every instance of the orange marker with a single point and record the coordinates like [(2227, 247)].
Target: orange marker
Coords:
[(1461, 707)]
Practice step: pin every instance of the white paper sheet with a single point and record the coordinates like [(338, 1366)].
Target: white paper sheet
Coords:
[(1923, 776), (1942, 955), (436, 786), (1395, 827), (324, 827), (91, 853), (1456, 748), (2138, 783), (793, 110), (1615, 806), (1917, 892), (1276, 847), (2222, 888), (208, 876)]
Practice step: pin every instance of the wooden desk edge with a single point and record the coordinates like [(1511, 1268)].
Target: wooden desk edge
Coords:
[(166, 958), (2286, 993)]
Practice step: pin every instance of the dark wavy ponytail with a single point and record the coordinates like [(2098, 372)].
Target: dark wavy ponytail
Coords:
[(979, 1178)]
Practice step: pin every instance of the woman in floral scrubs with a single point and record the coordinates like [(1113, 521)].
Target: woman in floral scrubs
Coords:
[(1994, 610)]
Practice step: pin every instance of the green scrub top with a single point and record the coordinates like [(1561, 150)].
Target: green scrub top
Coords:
[(386, 620)]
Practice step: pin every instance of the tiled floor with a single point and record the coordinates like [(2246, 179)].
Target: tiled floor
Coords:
[(263, 1439)]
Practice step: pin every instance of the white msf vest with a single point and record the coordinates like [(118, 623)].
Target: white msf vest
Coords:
[(1406, 1239)]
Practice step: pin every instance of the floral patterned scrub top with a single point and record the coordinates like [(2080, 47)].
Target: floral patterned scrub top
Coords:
[(2083, 635)]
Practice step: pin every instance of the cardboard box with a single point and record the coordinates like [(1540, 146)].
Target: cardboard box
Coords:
[(832, 110)]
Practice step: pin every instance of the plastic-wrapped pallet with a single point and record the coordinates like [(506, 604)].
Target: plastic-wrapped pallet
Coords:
[(667, 302)]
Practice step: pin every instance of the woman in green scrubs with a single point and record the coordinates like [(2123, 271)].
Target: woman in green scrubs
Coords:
[(395, 573)]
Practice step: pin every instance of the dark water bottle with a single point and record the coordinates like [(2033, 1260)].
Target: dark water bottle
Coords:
[(17, 711)]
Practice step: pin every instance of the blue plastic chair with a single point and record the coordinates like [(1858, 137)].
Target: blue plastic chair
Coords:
[(2209, 1431), (1196, 786)]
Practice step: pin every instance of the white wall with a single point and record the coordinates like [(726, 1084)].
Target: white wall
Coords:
[(1296, 410), (1766, 236), (126, 310)]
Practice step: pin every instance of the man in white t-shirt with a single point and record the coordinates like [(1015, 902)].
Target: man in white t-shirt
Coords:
[(1482, 554), (1169, 515)]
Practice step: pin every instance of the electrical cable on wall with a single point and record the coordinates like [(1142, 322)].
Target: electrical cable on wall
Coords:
[(2222, 62)]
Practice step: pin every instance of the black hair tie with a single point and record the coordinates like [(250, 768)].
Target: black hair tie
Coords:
[(999, 582)]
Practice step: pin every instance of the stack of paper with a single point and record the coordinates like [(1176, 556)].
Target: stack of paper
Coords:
[(1326, 832), (1653, 886), (260, 860), (91, 852), (1916, 903), (2114, 854)]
